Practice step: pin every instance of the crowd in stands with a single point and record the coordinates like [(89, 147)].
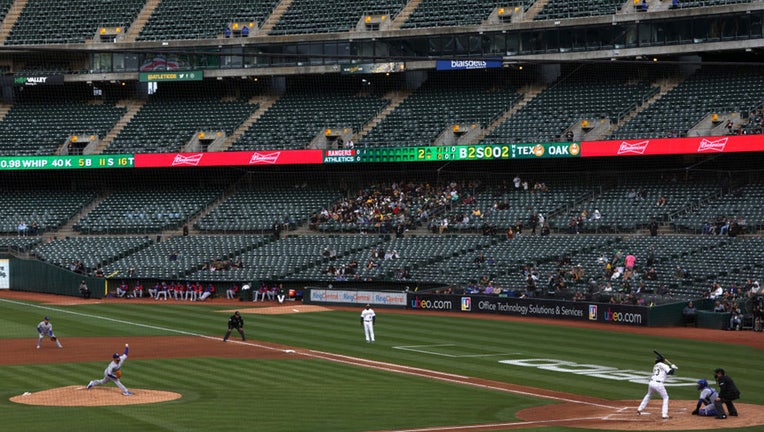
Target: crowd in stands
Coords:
[(397, 206)]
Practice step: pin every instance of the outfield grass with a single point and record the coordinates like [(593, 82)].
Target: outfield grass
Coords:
[(317, 395)]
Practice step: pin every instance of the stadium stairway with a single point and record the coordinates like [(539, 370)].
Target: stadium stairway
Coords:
[(404, 14), (10, 19), (264, 103), (534, 10), (133, 106), (275, 16), (528, 93), (396, 98), (67, 229), (141, 20)]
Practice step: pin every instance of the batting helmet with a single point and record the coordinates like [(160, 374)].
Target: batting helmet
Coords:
[(702, 384)]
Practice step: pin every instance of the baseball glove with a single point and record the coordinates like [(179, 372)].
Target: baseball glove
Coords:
[(118, 374), (53, 338)]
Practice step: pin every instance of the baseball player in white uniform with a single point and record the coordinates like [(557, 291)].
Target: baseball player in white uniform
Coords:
[(661, 370), (45, 328), (113, 373), (368, 318)]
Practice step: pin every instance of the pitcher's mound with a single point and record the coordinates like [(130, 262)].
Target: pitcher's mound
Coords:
[(97, 396)]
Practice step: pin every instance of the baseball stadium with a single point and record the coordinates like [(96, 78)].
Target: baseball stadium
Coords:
[(548, 214)]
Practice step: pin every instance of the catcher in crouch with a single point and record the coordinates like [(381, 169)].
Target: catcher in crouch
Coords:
[(113, 372), (45, 328)]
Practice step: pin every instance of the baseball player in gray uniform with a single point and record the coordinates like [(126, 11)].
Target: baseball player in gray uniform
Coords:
[(661, 370), (368, 318), (113, 373), (45, 328)]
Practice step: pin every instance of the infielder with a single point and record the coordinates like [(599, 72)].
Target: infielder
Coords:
[(368, 318), (235, 322), (113, 373), (661, 370), (45, 328), (708, 402)]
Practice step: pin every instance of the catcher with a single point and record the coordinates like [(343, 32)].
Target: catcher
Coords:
[(113, 372), (708, 402), (45, 328)]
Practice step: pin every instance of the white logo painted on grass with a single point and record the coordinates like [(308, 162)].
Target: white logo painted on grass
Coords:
[(597, 371)]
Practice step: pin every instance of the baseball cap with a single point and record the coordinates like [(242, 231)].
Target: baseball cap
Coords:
[(47, 319), (115, 355), (236, 313), (716, 371)]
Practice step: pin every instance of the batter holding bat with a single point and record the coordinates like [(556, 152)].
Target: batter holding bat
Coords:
[(661, 370)]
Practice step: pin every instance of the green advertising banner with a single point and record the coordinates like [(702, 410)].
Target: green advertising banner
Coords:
[(171, 76), (9, 163), (470, 152)]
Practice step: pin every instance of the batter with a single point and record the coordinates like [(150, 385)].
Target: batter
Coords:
[(660, 371)]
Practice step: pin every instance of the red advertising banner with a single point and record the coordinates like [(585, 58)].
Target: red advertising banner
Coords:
[(673, 146), (262, 157)]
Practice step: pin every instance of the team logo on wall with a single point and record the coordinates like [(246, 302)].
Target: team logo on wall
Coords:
[(538, 150), (707, 145), (575, 149)]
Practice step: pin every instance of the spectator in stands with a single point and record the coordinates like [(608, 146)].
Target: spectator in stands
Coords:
[(173, 256), (185, 230), (34, 229), (510, 233), (443, 226), (99, 272), (650, 274), (690, 314), (674, 4), (533, 222), (716, 291), (22, 229), (725, 228), (245, 31), (596, 216), (661, 201), (736, 320), (653, 228), (719, 307), (84, 290), (227, 32), (545, 229)]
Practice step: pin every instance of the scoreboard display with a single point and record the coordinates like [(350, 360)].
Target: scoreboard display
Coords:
[(468, 152)]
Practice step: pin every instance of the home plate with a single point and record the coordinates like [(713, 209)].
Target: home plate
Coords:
[(295, 310)]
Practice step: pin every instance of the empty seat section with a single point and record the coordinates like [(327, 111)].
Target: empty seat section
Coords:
[(197, 19), (72, 21), (317, 16)]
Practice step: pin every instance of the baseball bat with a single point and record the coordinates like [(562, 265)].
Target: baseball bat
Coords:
[(663, 357)]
